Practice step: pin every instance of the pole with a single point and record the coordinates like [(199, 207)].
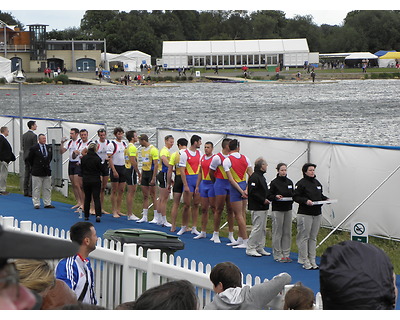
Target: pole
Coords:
[(21, 122), (362, 202), (5, 40)]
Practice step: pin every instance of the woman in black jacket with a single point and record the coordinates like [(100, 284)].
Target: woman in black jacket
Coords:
[(307, 191), (281, 192), (91, 175)]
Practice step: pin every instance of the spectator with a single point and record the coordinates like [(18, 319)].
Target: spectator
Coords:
[(76, 271), (6, 156), (299, 297), (17, 245), (29, 139), (58, 296), (36, 275), (230, 295), (174, 295), (357, 276)]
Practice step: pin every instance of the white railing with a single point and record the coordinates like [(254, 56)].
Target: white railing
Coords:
[(122, 273)]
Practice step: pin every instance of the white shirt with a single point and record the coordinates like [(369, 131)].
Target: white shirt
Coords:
[(183, 157), (71, 146), (118, 154), (102, 149), (227, 164), (216, 161)]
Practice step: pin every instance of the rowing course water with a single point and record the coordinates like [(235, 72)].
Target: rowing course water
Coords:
[(352, 111)]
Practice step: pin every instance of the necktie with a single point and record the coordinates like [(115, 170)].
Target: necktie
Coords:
[(43, 151)]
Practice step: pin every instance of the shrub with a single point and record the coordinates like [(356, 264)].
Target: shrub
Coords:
[(62, 78)]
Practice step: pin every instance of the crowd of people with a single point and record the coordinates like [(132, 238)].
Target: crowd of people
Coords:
[(210, 181), (354, 276)]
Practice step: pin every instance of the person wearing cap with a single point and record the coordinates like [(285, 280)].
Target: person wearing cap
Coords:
[(76, 271), (40, 157), (6, 156), (20, 245), (357, 276), (307, 191), (92, 171)]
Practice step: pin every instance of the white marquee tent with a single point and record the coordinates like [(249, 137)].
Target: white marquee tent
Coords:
[(5, 67), (130, 60)]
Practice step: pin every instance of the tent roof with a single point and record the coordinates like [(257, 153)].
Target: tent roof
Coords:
[(361, 55), (391, 55), (383, 52), (234, 46), (2, 59), (125, 55)]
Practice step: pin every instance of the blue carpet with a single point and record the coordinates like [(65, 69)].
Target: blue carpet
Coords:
[(202, 250)]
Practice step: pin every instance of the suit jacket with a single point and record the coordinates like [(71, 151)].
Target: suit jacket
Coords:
[(39, 163), (6, 153), (29, 139)]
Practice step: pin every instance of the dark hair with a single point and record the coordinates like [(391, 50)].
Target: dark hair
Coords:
[(80, 231), (228, 274), (209, 142), (130, 134), (41, 134), (279, 165), (31, 123), (306, 166), (83, 130), (144, 137), (101, 130), (194, 138), (225, 142), (174, 295), (168, 137), (76, 130), (234, 144), (299, 297), (182, 142), (117, 130)]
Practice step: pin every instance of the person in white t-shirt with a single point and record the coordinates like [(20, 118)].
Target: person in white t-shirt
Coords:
[(116, 155)]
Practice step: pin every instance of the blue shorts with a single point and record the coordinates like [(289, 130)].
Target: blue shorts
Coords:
[(206, 189), (222, 187), (236, 195), (191, 181)]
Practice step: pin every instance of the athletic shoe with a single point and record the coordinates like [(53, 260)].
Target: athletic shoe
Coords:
[(200, 235), (143, 219), (288, 259), (307, 265), (314, 265), (231, 239), (194, 231), (263, 252), (98, 219), (132, 217), (236, 243), (253, 253), (182, 231), (167, 224), (240, 246), (216, 238), (155, 221)]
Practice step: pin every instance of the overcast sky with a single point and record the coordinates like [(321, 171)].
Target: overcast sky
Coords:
[(60, 17)]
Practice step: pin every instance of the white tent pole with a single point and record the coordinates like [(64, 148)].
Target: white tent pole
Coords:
[(356, 208)]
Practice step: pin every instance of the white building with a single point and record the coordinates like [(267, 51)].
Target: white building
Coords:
[(235, 53), (128, 61)]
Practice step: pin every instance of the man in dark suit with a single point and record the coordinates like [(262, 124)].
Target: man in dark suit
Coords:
[(39, 158), (6, 156), (29, 139)]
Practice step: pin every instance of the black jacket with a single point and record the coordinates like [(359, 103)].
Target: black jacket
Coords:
[(258, 192), (308, 189), (91, 167), (283, 186), (39, 163), (6, 153)]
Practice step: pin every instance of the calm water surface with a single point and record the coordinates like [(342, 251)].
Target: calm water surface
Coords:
[(365, 112)]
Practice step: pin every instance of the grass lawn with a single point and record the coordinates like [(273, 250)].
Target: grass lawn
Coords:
[(392, 248)]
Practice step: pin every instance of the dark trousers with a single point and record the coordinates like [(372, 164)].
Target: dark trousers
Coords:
[(92, 189), (28, 179)]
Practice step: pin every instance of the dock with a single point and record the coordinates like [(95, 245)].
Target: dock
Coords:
[(94, 82)]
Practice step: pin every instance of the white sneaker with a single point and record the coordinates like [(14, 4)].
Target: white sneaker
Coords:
[(231, 239), (235, 243), (200, 235), (182, 231), (240, 246), (143, 219), (154, 221), (132, 217), (194, 231), (263, 252), (217, 239), (253, 253), (167, 224)]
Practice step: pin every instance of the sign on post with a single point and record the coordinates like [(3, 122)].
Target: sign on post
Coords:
[(359, 231)]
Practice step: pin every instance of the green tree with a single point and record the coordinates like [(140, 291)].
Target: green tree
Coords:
[(9, 19), (267, 24)]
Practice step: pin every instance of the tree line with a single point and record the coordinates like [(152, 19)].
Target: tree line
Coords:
[(361, 30)]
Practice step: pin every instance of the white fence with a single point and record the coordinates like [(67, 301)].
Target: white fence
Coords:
[(122, 273), (364, 179)]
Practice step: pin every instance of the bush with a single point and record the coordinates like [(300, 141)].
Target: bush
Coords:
[(62, 78), (2, 81)]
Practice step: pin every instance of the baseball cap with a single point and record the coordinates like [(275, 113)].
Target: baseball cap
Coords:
[(25, 245)]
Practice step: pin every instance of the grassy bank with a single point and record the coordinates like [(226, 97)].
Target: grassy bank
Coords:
[(390, 247)]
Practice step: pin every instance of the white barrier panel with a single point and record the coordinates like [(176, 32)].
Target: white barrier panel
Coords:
[(364, 179)]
